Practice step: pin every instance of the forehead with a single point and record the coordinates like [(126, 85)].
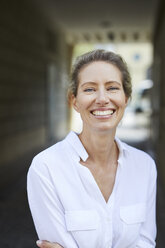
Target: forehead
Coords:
[(99, 70)]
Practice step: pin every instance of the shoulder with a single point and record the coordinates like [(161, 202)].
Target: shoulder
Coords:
[(51, 156), (53, 163), (138, 158), (135, 152)]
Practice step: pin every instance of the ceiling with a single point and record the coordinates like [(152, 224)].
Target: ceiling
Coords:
[(102, 19)]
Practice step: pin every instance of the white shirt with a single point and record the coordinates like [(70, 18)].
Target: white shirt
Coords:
[(68, 207)]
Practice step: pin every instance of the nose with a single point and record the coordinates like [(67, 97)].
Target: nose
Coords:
[(102, 97)]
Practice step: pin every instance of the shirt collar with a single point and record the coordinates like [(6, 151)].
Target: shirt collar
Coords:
[(76, 144), (78, 147), (123, 149)]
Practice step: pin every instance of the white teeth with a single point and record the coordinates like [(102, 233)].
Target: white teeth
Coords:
[(105, 112)]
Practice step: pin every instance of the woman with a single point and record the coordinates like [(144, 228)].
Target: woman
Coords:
[(92, 190)]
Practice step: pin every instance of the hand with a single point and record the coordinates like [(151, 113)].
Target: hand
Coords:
[(46, 244)]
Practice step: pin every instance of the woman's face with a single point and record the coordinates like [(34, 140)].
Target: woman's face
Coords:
[(100, 99)]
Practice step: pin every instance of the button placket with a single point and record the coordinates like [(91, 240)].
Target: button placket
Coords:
[(108, 220), (108, 240)]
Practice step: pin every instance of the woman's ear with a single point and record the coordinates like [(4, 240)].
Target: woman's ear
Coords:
[(74, 103)]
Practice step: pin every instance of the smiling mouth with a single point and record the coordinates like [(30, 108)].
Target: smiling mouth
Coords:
[(102, 112)]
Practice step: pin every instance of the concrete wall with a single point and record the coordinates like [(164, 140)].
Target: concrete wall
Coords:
[(33, 109), (159, 91)]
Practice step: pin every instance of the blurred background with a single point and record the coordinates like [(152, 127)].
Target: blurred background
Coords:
[(39, 40)]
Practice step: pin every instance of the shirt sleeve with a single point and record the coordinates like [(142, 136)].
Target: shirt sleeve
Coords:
[(46, 208), (148, 230)]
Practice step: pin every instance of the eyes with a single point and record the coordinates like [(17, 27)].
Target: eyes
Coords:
[(93, 89)]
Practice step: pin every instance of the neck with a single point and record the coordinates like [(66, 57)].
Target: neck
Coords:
[(100, 146)]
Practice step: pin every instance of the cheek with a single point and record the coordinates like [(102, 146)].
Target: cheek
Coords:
[(123, 103), (84, 102), (119, 100)]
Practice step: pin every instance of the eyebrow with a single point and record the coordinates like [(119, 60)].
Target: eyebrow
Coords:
[(108, 82)]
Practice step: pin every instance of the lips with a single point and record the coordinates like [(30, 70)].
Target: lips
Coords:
[(103, 112)]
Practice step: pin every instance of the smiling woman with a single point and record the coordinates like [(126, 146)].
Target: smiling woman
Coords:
[(91, 190), (100, 98)]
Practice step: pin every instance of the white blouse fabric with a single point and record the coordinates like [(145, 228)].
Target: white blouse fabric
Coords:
[(68, 207)]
